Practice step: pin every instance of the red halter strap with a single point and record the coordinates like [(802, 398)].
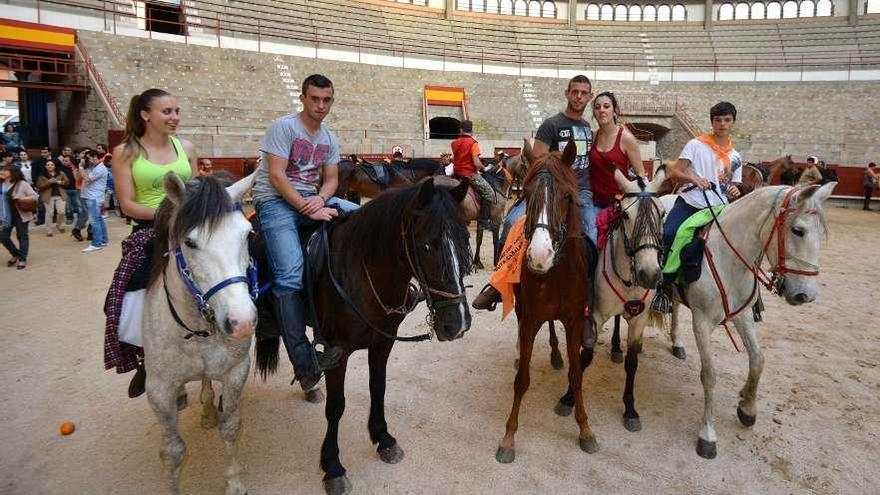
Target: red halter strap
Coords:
[(778, 226), (611, 284)]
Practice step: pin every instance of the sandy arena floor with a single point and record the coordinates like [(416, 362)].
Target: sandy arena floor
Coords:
[(818, 428)]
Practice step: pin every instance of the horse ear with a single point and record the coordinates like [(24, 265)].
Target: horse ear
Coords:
[(569, 153), (527, 150), (426, 191), (625, 184), (460, 191), (815, 195), (175, 190), (237, 190), (657, 180)]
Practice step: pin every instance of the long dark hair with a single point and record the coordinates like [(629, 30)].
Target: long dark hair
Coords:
[(135, 127), (608, 94)]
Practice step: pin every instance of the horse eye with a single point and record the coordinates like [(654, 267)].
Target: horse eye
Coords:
[(798, 231), (191, 244), (427, 247)]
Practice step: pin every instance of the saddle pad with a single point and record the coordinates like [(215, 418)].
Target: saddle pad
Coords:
[(685, 235)]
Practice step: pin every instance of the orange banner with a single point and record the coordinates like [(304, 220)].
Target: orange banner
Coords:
[(441, 95), (37, 36)]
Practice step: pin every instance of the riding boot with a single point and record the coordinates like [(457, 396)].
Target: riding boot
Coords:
[(485, 218), (307, 364), (488, 298), (137, 386)]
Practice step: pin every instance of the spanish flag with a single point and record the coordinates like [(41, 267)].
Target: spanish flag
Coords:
[(445, 96)]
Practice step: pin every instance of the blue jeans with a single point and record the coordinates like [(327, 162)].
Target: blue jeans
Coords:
[(680, 212), (280, 223), (589, 212), (99, 228), (83, 216), (72, 206)]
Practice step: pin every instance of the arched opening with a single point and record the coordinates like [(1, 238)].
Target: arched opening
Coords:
[(507, 7), (492, 6), (444, 128), (635, 13), (774, 10), (872, 7), (741, 11), (607, 13), (478, 5), (679, 13), (824, 8), (520, 8), (808, 9), (592, 12), (464, 4), (534, 9), (757, 10), (650, 13), (789, 10), (725, 12), (620, 13), (549, 10), (663, 13)]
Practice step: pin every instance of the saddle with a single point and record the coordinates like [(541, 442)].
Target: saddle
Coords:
[(315, 261), (378, 173)]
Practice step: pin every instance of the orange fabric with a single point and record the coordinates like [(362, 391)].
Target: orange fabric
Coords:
[(720, 151), (462, 156), (507, 272)]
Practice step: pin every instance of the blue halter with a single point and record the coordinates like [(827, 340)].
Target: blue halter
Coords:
[(201, 298)]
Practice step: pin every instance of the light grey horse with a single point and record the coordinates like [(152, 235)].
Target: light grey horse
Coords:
[(187, 338), (786, 226)]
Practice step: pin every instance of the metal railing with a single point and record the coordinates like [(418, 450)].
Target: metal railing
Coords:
[(98, 82)]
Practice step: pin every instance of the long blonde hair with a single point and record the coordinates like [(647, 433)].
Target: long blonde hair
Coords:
[(135, 127)]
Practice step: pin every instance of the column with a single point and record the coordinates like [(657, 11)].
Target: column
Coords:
[(853, 12), (450, 9), (709, 16), (572, 13)]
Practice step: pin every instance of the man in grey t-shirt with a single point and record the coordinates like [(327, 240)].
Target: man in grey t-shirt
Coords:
[(294, 187)]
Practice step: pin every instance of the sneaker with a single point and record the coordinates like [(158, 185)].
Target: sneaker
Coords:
[(21, 265), (77, 235), (488, 298), (12, 261), (90, 248), (50, 234), (61, 230)]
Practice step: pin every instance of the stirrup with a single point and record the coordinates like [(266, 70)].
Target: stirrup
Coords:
[(661, 302)]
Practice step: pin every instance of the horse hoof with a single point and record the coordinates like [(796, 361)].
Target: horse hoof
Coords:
[(562, 409), (505, 455), (391, 455), (182, 402), (616, 357), (315, 396), (679, 352), (744, 418), (556, 361), (589, 445), (632, 424), (337, 486), (706, 449)]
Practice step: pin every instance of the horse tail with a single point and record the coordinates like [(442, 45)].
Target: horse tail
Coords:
[(267, 356)]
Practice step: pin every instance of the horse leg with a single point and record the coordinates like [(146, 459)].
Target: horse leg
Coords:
[(527, 331), (677, 343), (230, 424), (163, 399), (573, 338), (555, 356), (747, 410), (706, 443), (182, 399), (496, 244), (478, 265), (210, 416), (635, 327), (566, 402), (388, 449), (616, 352), (335, 480)]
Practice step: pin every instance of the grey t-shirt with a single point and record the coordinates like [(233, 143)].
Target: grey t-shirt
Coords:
[(558, 130), (306, 154)]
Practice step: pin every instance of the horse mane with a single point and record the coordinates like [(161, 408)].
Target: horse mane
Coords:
[(376, 227), (205, 202), (565, 183)]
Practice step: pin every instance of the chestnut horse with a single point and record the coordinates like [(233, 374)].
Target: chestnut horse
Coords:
[(555, 283)]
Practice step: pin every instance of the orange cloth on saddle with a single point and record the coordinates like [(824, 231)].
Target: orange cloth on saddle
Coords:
[(509, 267)]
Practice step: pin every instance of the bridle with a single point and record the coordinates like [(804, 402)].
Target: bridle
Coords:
[(774, 281), (202, 299), (648, 226), (435, 299), (562, 229)]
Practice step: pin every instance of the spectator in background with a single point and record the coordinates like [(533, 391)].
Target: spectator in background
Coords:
[(11, 139), (811, 173), (871, 177), (83, 217), (109, 194), (206, 167), (15, 190), (828, 175), (94, 183), (26, 166), (6, 160), (102, 150), (38, 171), (446, 161), (71, 190), (51, 184)]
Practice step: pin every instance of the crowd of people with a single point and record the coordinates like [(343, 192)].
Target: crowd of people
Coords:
[(73, 188)]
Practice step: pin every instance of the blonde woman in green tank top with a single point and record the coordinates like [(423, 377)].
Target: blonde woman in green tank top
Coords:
[(149, 150)]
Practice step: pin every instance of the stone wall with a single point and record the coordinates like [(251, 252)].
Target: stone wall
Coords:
[(83, 119), (229, 96)]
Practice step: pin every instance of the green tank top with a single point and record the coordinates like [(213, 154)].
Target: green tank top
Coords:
[(149, 189)]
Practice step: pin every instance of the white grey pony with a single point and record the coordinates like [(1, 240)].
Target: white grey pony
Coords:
[(781, 224), (199, 317)]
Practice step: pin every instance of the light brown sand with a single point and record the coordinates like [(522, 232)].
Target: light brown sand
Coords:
[(817, 432)]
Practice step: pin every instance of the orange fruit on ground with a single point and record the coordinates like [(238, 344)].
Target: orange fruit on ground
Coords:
[(67, 428)]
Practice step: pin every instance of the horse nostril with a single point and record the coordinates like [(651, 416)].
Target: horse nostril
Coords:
[(231, 325)]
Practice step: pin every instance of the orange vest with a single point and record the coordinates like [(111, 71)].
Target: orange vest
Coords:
[(462, 161)]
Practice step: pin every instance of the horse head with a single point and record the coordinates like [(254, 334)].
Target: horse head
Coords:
[(201, 227), (793, 247), (640, 213), (437, 250), (550, 189)]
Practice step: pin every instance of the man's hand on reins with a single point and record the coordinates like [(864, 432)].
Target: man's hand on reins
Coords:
[(324, 214)]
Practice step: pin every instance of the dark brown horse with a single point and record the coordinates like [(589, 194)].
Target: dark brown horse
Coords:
[(360, 298), (555, 281), (356, 183)]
